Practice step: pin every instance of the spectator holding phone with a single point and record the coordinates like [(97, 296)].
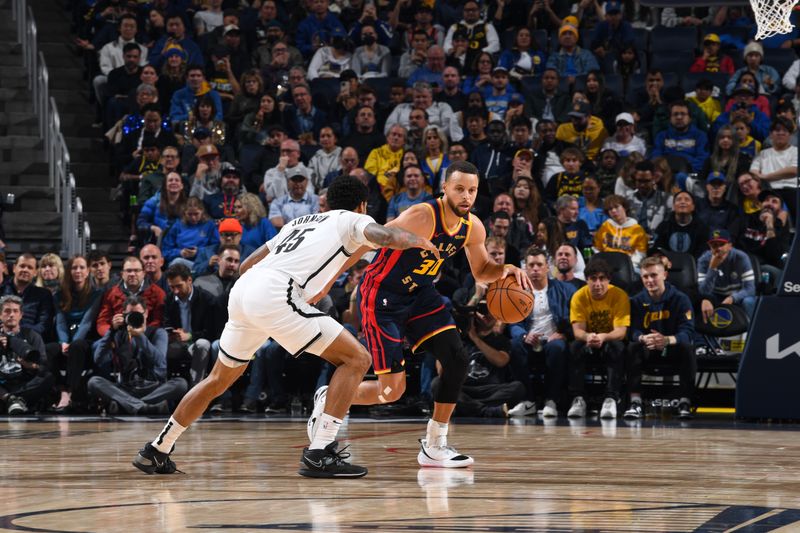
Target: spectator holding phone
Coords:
[(192, 232)]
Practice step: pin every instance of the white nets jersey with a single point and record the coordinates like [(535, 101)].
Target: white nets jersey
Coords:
[(311, 249)]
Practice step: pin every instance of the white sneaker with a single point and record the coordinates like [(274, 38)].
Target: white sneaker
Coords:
[(319, 408), (441, 455), (578, 409), (609, 409), (523, 408), (550, 410)]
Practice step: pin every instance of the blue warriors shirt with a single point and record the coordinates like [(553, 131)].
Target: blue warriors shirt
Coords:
[(405, 271)]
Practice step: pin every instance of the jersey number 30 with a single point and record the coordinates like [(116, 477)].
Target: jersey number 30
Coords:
[(429, 267), (292, 241)]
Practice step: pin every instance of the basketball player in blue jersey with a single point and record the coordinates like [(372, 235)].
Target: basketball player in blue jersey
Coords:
[(397, 299), (272, 299)]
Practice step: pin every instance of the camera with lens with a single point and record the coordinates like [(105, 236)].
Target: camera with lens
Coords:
[(740, 106), (134, 319)]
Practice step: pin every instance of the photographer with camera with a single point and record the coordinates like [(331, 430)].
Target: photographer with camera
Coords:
[(133, 284), (138, 354), (24, 376), (743, 106), (489, 388)]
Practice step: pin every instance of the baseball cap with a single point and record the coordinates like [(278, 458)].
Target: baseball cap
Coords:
[(229, 168), (568, 27), (524, 151), (744, 88), (149, 141), (499, 70), (720, 235), (613, 6), (201, 133), (207, 149), (624, 117), (766, 193), (753, 47), (460, 34), (231, 27), (711, 37), (715, 176), (295, 174), (230, 225), (580, 109)]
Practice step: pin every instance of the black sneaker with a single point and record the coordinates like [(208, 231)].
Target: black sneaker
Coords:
[(151, 461), (634, 412), (329, 462), (249, 406), (684, 411)]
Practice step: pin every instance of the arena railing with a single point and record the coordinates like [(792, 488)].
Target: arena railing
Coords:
[(75, 230)]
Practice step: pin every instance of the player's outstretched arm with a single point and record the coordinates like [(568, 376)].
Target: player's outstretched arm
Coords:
[(398, 238), (252, 259), (483, 268)]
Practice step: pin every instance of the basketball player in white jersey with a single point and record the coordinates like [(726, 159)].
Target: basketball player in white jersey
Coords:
[(272, 299)]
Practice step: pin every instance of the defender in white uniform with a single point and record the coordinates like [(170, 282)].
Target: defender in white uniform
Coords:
[(272, 299)]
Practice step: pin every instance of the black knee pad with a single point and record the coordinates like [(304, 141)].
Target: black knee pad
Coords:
[(448, 349)]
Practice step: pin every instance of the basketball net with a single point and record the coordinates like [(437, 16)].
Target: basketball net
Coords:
[(772, 17)]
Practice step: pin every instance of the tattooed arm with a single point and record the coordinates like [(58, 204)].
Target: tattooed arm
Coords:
[(397, 238)]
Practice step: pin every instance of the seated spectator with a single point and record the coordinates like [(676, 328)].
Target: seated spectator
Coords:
[(37, 302), (760, 99), (298, 201), (229, 234), (221, 280), (256, 228), (130, 146), (574, 230), (247, 101), (570, 181), (365, 137), (498, 228), (184, 100), (605, 104), (414, 193), (600, 314), (189, 234), (583, 130), (714, 211), (161, 211), (546, 333), (76, 305), (204, 115), (528, 205), (100, 270), (626, 63), (172, 75), (703, 98), (745, 108), (591, 209), (747, 144), (613, 34), (176, 37), (326, 159), (489, 387), (767, 76), (662, 329), (289, 162), (153, 263), (565, 265), (138, 352), (621, 233), (153, 182), (416, 55), (439, 113), (682, 231), (256, 125), (498, 94), (494, 161), (624, 140), (763, 234), (51, 272), (387, 157), (570, 60), (648, 204), (376, 203), (221, 204), (303, 120), (355, 17), (482, 34), (607, 171), (726, 158), (551, 103), (525, 58), (711, 60), (27, 380), (121, 81), (316, 29), (146, 162), (649, 98), (778, 165), (431, 71), (188, 321), (133, 283), (330, 61), (682, 138), (725, 275)]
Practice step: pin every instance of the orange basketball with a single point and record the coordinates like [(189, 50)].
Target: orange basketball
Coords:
[(507, 301)]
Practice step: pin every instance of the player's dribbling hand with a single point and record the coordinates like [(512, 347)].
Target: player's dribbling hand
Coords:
[(519, 274)]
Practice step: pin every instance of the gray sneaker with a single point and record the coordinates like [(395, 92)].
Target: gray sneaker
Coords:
[(17, 406), (609, 409), (550, 410), (578, 409)]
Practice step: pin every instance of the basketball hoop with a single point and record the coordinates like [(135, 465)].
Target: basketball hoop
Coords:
[(772, 17)]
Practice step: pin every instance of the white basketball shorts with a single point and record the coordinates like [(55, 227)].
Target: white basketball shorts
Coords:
[(265, 305)]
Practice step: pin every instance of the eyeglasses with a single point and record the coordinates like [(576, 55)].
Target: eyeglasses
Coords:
[(229, 234), (131, 270)]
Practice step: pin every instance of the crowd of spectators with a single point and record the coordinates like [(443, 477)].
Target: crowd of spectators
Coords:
[(227, 120)]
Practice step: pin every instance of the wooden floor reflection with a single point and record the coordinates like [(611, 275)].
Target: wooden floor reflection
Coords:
[(75, 475)]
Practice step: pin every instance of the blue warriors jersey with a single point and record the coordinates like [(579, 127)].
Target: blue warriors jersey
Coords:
[(405, 271)]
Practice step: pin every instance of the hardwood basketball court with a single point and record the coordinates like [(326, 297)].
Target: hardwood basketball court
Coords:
[(74, 474)]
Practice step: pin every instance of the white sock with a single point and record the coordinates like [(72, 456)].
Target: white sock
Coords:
[(435, 430), (166, 439), (636, 398), (326, 432)]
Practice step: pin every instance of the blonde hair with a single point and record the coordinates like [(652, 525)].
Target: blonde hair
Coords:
[(50, 259), (255, 209)]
